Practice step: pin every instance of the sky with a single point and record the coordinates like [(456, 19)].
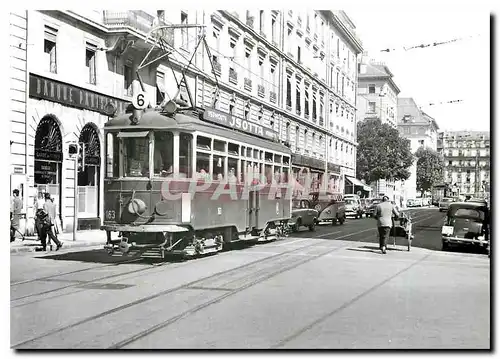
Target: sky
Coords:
[(454, 71)]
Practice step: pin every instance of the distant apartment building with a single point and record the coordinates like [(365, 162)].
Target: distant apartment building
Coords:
[(290, 72), (467, 170), (422, 131), (377, 98), (377, 92)]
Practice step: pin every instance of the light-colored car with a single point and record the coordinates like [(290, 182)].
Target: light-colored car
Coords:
[(353, 207), (444, 204), (417, 202), (303, 215)]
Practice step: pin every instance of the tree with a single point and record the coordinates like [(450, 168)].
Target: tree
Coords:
[(382, 153), (429, 168)]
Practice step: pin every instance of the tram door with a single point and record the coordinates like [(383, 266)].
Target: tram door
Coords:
[(253, 198)]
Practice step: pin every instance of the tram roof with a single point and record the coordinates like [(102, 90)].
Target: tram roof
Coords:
[(188, 121)]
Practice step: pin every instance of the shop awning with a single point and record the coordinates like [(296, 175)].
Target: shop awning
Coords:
[(357, 182), (132, 134)]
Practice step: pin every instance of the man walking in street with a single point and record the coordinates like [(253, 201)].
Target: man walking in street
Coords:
[(383, 214), (50, 208), (15, 214)]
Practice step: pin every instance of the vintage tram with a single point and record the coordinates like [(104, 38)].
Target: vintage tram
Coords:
[(178, 184)]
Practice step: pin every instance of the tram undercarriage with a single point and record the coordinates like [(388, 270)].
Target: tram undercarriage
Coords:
[(182, 241)]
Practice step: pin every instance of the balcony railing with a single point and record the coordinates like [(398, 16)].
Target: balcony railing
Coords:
[(247, 84), (233, 76), (217, 67), (138, 20), (261, 91), (272, 96)]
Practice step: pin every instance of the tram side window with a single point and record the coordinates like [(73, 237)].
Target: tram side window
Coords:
[(136, 156), (269, 173), (185, 155), (284, 175), (112, 159), (232, 166), (163, 156), (218, 166), (203, 165)]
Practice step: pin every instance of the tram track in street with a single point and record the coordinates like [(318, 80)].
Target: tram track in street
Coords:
[(259, 276), (79, 283)]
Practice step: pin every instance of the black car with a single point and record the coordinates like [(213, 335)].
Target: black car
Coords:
[(370, 211)]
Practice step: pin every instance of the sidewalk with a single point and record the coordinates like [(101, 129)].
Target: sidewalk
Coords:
[(83, 239)]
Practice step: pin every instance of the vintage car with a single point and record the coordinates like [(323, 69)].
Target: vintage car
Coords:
[(444, 203), (330, 207), (370, 211), (353, 207), (303, 214), (466, 223)]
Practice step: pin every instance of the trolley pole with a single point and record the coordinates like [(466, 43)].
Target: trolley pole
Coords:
[(75, 204)]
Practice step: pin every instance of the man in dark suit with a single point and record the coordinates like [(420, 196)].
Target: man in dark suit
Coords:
[(383, 214), (50, 208)]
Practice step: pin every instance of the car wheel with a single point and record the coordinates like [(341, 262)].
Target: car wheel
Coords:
[(445, 246), (334, 221), (296, 226), (312, 227), (341, 220)]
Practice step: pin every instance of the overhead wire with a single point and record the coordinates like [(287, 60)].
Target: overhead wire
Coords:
[(433, 44)]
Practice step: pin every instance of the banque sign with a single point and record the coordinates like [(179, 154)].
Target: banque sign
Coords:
[(55, 91), (238, 123)]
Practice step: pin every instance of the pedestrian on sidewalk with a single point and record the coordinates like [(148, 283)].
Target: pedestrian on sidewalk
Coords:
[(383, 214), (50, 208), (15, 214)]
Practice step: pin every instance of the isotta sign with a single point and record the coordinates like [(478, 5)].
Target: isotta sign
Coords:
[(238, 123)]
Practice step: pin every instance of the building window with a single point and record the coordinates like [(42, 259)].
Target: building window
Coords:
[(371, 107), (90, 62), (306, 105), (337, 83), (297, 96), (371, 89), (288, 92), (289, 40), (184, 31), (273, 29), (231, 109), (261, 21), (248, 62), (314, 114), (331, 76), (343, 81), (273, 76), (298, 55), (338, 47), (160, 87), (216, 34), (127, 79), (50, 49)]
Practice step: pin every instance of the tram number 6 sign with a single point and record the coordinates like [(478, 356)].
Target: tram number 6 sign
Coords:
[(139, 100)]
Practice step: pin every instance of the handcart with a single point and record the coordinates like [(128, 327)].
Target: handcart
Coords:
[(402, 227)]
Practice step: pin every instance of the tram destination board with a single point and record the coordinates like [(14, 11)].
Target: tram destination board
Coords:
[(237, 123)]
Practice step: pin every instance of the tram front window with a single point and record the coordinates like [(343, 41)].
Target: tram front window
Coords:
[(163, 156), (136, 157)]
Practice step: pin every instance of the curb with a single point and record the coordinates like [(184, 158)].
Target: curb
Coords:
[(66, 246)]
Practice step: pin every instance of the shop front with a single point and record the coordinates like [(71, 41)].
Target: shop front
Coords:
[(60, 114), (355, 186)]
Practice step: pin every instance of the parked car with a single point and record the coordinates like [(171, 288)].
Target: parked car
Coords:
[(444, 203), (370, 211), (303, 214), (328, 206), (353, 207), (410, 203), (466, 223), (417, 202), (365, 204)]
